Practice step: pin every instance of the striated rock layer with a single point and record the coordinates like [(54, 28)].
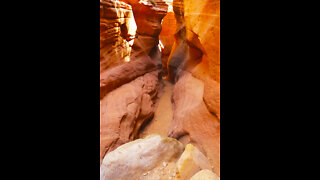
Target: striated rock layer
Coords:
[(117, 31)]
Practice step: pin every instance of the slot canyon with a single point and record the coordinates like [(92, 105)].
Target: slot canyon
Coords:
[(159, 89)]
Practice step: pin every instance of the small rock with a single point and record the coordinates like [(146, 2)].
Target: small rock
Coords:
[(164, 164), (145, 174)]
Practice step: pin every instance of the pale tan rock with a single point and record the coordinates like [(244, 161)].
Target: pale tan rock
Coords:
[(191, 161), (137, 158), (205, 175)]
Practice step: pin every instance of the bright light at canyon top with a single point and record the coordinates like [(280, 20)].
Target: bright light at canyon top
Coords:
[(170, 8), (169, 2)]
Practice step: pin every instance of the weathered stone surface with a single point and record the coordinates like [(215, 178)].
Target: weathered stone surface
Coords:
[(211, 94), (117, 31), (124, 110), (124, 73), (205, 175), (192, 121), (137, 158), (191, 161)]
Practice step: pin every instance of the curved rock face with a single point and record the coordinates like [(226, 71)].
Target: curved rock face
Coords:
[(197, 46), (198, 28), (202, 20), (192, 121), (148, 18), (167, 37)]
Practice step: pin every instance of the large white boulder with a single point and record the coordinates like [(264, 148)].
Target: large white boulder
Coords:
[(132, 160)]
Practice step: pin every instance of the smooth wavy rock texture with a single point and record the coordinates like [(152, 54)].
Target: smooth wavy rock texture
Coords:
[(192, 121), (125, 109)]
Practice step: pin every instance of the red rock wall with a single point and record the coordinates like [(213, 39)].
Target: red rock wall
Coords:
[(194, 66), (130, 68)]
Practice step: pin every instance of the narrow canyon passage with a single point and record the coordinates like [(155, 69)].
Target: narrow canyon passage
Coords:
[(162, 119), (159, 89)]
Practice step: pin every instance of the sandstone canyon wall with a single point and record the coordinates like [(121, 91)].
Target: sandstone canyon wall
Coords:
[(194, 67), (130, 68)]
